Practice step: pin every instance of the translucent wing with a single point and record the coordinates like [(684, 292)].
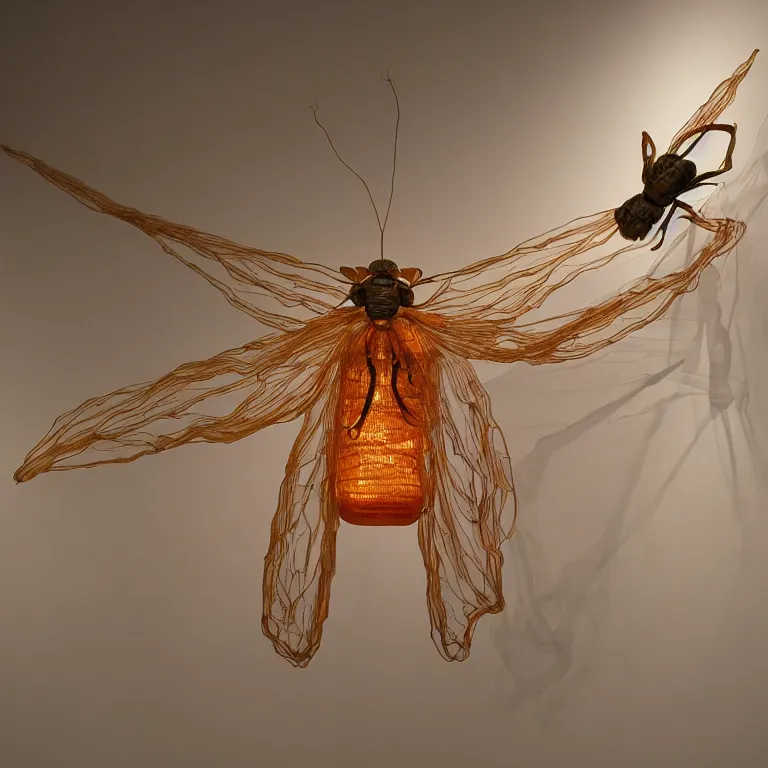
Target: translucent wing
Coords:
[(485, 332), (301, 559), (274, 379), (715, 105), (355, 274), (507, 286), (257, 282), (469, 481)]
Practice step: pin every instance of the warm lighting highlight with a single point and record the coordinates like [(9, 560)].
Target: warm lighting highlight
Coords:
[(378, 477)]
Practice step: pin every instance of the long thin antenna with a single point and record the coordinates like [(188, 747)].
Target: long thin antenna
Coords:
[(346, 164), (383, 226), (394, 162)]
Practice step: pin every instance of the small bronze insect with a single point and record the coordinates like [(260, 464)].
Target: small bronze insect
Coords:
[(665, 180), (672, 175)]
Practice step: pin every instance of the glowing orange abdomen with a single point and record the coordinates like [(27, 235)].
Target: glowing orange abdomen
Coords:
[(378, 477)]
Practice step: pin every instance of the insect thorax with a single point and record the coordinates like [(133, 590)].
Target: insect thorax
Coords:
[(382, 296), (668, 178)]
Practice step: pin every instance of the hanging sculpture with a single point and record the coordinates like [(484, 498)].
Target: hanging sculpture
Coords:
[(396, 425)]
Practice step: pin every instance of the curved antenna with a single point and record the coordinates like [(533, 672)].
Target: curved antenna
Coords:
[(346, 164), (394, 161), (382, 226)]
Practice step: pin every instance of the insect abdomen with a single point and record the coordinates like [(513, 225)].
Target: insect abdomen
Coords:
[(377, 478)]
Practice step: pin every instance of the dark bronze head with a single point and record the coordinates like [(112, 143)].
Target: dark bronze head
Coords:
[(383, 267)]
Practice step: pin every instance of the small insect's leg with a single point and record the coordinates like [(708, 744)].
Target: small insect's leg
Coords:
[(701, 184), (698, 139), (727, 163), (724, 168), (692, 216), (354, 430), (649, 155), (664, 225), (704, 129)]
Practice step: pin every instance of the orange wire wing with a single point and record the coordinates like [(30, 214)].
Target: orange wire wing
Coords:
[(263, 284), (450, 470), (504, 288), (301, 559), (275, 379), (469, 513)]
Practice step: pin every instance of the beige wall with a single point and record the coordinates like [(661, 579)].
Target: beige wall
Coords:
[(130, 595)]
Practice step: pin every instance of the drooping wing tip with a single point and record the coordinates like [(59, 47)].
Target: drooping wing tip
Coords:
[(510, 532), (10, 151), (745, 66), (22, 157), (298, 657), (23, 474)]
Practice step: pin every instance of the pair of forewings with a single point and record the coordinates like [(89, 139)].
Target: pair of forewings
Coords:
[(475, 313)]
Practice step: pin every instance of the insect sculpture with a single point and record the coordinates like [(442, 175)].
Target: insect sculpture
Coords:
[(672, 175), (396, 426)]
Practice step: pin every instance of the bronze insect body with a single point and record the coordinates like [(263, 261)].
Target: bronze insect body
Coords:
[(380, 292), (665, 179)]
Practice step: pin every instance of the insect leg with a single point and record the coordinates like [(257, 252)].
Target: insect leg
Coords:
[(700, 137), (407, 414), (664, 225), (663, 228), (692, 215), (727, 161), (354, 430), (700, 180), (704, 129), (649, 155)]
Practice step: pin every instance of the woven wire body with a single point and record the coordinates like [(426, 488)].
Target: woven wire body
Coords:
[(378, 475)]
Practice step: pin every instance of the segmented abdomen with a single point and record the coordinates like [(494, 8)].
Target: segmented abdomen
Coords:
[(377, 478)]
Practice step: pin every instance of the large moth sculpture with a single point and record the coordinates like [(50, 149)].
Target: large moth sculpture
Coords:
[(397, 428)]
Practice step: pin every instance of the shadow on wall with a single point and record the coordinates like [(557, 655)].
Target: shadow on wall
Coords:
[(598, 445)]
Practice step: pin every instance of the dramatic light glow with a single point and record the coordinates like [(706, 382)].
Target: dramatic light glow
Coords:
[(379, 475)]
